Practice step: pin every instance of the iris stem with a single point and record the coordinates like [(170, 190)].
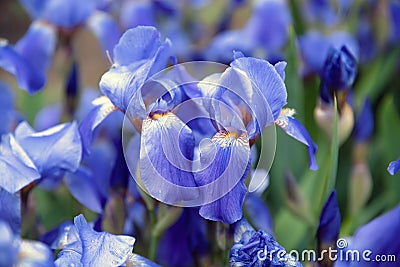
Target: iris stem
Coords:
[(154, 237)]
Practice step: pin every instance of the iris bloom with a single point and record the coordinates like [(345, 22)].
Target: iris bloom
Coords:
[(257, 248), (259, 86), (26, 155), (29, 59), (86, 247)]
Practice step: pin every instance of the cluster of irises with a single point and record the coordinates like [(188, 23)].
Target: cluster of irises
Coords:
[(184, 184)]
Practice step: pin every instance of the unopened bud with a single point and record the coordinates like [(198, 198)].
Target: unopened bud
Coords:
[(325, 117)]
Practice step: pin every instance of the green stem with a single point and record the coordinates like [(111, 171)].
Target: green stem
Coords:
[(154, 237)]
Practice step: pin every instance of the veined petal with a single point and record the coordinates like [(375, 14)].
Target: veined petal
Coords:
[(295, 129), (105, 29), (101, 248), (10, 210), (29, 78), (166, 153), (37, 45), (394, 167), (102, 108), (136, 260), (225, 162), (16, 168), (71, 254), (53, 150), (267, 79), (142, 42)]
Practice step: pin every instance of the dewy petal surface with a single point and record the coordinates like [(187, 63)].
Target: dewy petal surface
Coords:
[(101, 248)]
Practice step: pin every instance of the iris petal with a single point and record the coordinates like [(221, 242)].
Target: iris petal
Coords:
[(53, 150), (267, 79), (67, 14), (17, 169), (167, 147), (81, 184), (101, 248), (227, 162), (329, 224), (29, 78), (295, 129), (394, 167), (37, 45), (102, 108), (105, 29), (10, 209)]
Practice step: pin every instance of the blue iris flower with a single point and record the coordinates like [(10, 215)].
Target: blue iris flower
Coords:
[(86, 247), (254, 37), (188, 236), (314, 48), (231, 143), (11, 117), (376, 236), (329, 223), (27, 155), (257, 248), (338, 74), (30, 57)]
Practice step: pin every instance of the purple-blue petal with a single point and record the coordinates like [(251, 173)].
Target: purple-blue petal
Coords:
[(139, 261), (17, 169), (258, 213), (48, 116), (9, 245), (102, 108), (295, 129), (394, 167), (365, 122), (101, 248), (188, 236), (105, 29), (267, 80), (67, 14), (53, 150), (34, 253), (37, 46), (28, 77), (329, 222), (142, 42), (82, 186), (166, 151), (378, 236), (225, 161), (10, 210), (137, 13)]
